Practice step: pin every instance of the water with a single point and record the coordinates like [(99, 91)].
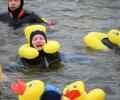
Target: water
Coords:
[(73, 19)]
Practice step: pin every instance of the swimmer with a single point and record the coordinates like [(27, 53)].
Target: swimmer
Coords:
[(37, 41), (17, 16)]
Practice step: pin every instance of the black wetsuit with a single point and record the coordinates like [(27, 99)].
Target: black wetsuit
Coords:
[(44, 60), (109, 44), (27, 17)]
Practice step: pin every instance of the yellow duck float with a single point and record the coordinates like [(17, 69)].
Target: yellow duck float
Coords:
[(0, 72), (103, 42), (76, 91), (36, 90)]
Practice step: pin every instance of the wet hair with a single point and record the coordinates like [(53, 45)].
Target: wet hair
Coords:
[(16, 11), (35, 33)]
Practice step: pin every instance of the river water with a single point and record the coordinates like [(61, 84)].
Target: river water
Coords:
[(73, 20)]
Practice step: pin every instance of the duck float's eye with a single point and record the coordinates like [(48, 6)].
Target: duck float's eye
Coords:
[(116, 33), (32, 84), (67, 90), (75, 85)]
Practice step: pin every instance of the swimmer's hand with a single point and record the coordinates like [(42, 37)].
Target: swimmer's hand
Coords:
[(50, 25)]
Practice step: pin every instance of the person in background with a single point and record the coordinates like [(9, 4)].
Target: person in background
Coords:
[(17, 16)]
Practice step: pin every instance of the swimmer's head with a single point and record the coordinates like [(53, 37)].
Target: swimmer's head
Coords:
[(38, 40), (15, 6)]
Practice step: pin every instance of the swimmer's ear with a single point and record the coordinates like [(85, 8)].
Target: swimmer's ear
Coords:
[(51, 46)]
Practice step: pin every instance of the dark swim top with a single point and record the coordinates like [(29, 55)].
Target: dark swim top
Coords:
[(27, 17), (44, 60), (109, 44), (51, 95)]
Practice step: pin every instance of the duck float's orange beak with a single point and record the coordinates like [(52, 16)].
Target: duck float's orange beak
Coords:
[(73, 94), (19, 88)]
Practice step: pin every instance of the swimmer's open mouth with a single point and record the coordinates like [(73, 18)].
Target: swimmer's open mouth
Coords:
[(38, 46)]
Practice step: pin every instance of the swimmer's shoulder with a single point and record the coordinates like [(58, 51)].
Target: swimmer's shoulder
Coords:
[(4, 17)]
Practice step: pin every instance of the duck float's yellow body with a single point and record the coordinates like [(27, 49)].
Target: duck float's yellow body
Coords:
[(76, 91), (94, 39)]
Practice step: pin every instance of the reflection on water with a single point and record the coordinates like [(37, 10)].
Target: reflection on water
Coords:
[(74, 19)]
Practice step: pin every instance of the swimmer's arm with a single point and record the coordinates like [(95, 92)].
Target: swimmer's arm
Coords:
[(43, 20), (4, 17)]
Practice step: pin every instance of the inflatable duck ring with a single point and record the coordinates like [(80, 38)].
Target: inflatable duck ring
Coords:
[(76, 91), (103, 42), (29, 52)]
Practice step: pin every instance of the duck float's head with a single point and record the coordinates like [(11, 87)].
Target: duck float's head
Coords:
[(114, 36), (32, 90), (29, 29), (74, 91)]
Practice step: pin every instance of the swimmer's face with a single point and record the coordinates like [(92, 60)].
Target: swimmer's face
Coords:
[(38, 42), (14, 4)]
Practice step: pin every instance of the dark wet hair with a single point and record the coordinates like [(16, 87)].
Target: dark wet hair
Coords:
[(16, 11), (35, 33)]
